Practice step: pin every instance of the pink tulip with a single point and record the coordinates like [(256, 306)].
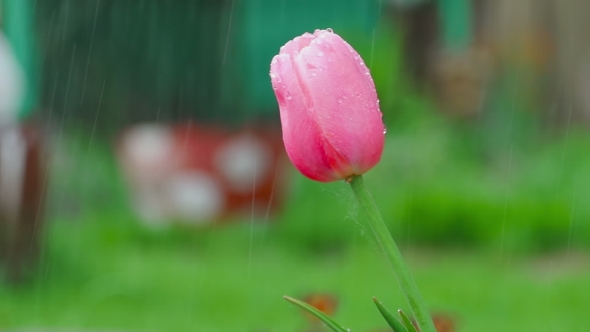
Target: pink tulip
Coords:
[(332, 127)]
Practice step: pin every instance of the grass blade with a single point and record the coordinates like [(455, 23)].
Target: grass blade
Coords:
[(320, 315), (407, 322), (393, 322)]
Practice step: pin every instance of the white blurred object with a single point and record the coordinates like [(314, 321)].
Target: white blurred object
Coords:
[(147, 159), (12, 83), (194, 196), (151, 147), (243, 162)]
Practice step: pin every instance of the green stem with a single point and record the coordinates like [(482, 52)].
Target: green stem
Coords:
[(393, 254)]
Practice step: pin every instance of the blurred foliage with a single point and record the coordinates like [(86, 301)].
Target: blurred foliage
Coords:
[(433, 186)]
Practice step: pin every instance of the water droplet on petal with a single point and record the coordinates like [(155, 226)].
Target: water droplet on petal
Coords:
[(288, 96), (313, 73), (329, 60), (330, 30), (320, 53), (339, 100), (318, 41), (272, 75), (384, 130), (274, 61)]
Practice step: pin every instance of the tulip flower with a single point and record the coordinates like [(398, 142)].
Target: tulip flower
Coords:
[(332, 127), (332, 130)]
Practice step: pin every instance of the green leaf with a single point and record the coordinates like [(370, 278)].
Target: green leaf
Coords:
[(393, 322), (327, 320), (407, 322)]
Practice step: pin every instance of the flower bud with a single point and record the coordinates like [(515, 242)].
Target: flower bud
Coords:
[(332, 127)]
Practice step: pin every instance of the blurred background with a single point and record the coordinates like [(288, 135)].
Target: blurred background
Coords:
[(144, 186)]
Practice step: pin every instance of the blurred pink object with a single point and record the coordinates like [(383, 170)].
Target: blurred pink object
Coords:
[(332, 127), (200, 174)]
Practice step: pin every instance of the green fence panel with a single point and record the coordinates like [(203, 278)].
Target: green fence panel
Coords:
[(18, 18), (456, 29)]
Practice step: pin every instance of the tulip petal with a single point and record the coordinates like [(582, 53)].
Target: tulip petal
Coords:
[(345, 100), (303, 138), (297, 44)]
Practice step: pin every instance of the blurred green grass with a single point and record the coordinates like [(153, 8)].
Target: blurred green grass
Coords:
[(115, 274)]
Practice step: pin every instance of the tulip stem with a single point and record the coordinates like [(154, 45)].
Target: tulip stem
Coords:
[(393, 254)]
